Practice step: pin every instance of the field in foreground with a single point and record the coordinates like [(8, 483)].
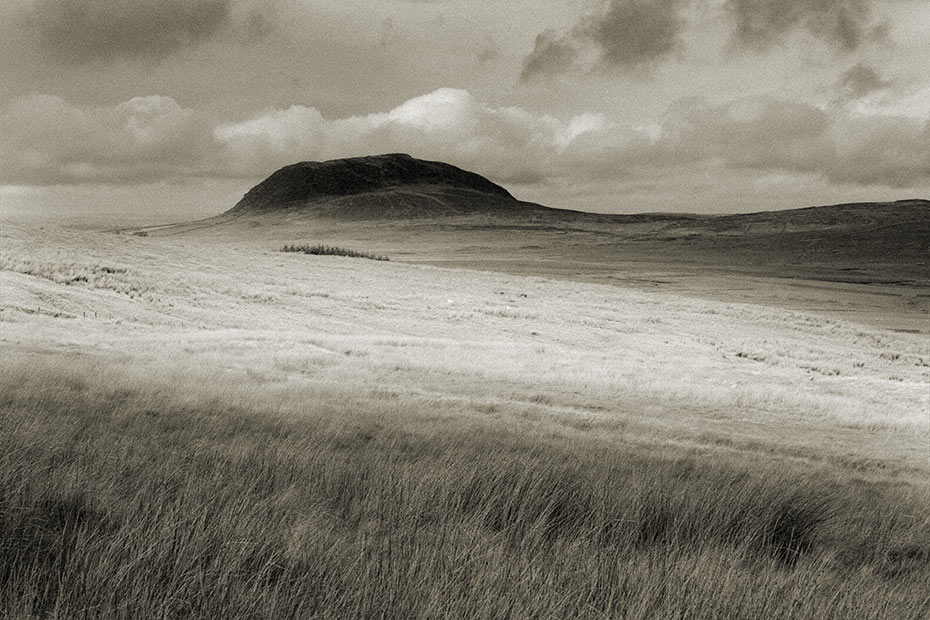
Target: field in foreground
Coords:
[(196, 431), (129, 496)]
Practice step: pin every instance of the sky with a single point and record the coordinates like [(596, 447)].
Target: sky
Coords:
[(171, 108)]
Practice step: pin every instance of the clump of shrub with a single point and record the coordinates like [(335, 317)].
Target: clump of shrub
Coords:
[(331, 250)]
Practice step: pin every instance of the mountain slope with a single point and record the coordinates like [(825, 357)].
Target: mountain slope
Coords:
[(393, 185), (417, 210)]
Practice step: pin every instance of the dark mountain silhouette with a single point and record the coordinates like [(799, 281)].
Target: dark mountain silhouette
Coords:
[(387, 186)]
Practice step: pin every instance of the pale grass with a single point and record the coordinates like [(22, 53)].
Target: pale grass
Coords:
[(668, 362), (238, 369)]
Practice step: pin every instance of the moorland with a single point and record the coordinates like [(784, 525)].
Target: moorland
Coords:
[(524, 412)]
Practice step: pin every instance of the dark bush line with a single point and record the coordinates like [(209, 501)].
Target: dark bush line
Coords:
[(331, 250)]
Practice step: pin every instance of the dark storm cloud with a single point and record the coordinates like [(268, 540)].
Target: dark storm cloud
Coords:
[(78, 32), (861, 80), (760, 24), (626, 34)]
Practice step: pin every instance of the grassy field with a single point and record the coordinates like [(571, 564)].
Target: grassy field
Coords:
[(196, 430), (866, 265), (131, 496)]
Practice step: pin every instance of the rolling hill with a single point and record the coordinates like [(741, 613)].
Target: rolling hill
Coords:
[(390, 186), (432, 211)]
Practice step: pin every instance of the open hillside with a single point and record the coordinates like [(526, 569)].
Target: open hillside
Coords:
[(575, 345), (525, 412), (866, 261), (213, 430), (463, 310)]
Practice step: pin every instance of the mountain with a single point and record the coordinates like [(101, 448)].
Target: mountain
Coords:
[(393, 185), (429, 211)]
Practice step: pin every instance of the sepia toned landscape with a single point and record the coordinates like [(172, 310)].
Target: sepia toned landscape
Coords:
[(464, 310), (523, 412)]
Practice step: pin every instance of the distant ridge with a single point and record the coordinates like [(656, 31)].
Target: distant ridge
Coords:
[(390, 185), (398, 205)]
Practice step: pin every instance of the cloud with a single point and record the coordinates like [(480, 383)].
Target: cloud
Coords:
[(861, 80), (879, 150), (635, 32), (767, 134), (513, 145), (761, 24), (489, 51), (272, 140), (552, 54), (626, 34), (755, 132), (448, 124), (633, 35), (79, 32), (256, 24), (45, 140)]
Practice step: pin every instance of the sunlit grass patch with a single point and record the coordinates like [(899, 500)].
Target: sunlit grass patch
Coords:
[(97, 276)]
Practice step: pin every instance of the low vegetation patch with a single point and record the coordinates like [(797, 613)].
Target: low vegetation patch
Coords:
[(330, 250), (88, 274), (127, 499)]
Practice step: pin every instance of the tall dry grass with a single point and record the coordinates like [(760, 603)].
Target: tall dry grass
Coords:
[(123, 496)]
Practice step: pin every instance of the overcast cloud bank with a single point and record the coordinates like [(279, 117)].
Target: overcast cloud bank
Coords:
[(77, 32), (45, 140)]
